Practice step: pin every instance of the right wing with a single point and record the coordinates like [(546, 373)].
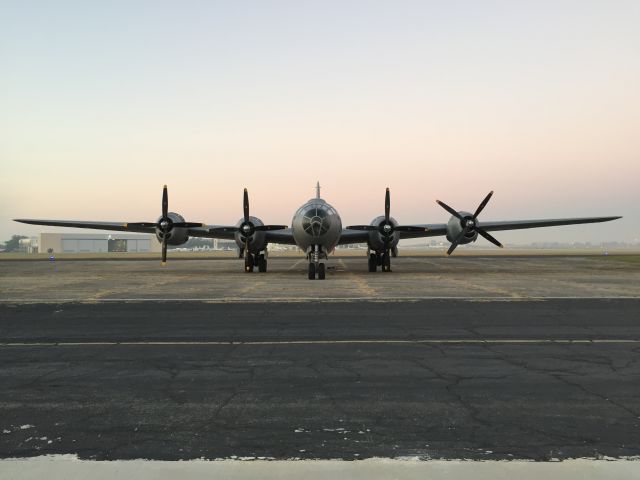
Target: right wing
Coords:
[(128, 227)]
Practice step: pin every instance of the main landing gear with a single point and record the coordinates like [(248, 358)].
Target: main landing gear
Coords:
[(382, 259), (315, 266), (258, 260)]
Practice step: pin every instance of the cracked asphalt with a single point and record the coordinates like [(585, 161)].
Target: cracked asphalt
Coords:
[(451, 379)]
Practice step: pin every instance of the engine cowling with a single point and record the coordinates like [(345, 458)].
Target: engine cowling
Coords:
[(176, 235), (376, 240), (257, 240), (455, 228)]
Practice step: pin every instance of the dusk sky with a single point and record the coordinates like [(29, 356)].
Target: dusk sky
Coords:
[(102, 103)]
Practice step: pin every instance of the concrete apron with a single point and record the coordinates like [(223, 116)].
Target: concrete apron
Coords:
[(69, 467)]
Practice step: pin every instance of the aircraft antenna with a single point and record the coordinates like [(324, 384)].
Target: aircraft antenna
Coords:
[(318, 190)]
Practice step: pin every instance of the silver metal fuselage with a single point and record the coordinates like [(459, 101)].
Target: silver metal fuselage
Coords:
[(316, 223)]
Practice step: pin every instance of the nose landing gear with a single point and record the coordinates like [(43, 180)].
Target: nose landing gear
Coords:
[(315, 266)]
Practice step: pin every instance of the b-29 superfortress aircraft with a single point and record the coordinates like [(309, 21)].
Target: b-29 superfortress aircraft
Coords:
[(316, 229)]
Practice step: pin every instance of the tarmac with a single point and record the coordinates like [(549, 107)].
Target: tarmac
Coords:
[(474, 358), (418, 277)]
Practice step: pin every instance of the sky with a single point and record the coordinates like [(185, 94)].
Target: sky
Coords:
[(102, 103)]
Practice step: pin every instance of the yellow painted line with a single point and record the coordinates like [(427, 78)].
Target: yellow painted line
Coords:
[(368, 299), (471, 341)]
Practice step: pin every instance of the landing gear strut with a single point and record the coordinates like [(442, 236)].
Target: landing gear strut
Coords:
[(315, 266), (386, 261)]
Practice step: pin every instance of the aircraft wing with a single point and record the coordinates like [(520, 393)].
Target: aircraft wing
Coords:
[(353, 236), (284, 236), (423, 230), (437, 229), (553, 222), (433, 230), (126, 227), (117, 226)]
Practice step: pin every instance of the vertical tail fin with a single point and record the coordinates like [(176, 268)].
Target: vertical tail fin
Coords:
[(318, 190)]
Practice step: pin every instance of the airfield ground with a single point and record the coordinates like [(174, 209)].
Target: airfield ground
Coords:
[(475, 357), (424, 276)]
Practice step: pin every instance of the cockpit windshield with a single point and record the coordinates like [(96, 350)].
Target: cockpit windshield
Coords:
[(315, 221)]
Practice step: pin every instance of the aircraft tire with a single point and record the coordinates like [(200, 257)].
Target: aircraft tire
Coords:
[(312, 271), (373, 263), (262, 264), (321, 271)]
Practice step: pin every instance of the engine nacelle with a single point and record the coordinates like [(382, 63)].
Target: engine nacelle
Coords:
[(175, 236), (257, 241), (454, 228), (376, 240)]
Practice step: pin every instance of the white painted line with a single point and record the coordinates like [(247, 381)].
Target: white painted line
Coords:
[(459, 341)]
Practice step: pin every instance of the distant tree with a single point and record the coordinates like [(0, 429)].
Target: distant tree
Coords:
[(13, 244)]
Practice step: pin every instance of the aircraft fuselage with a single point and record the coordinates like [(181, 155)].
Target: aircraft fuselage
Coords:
[(316, 223)]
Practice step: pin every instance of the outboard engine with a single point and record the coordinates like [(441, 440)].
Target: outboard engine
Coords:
[(166, 229), (455, 228), (463, 227)]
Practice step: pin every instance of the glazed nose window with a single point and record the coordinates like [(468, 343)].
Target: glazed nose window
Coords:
[(315, 221)]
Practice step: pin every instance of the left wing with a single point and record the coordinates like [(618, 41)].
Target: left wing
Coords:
[(434, 230), (554, 222), (352, 235), (437, 229)]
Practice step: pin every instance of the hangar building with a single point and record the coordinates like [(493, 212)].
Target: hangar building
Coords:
[(97, 242)]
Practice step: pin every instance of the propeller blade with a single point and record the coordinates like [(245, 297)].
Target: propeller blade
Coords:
[(218, 230), (164, 251), (449, 209), (268, 228), (410, 228), (165, 202), (387, 205), (486, 235), (455, 243), (366, 228), (188, 225), (141, 224), (245, 205), (246, 250), (482, 205)]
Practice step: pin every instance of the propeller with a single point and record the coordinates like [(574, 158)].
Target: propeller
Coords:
[(247, 228), (164, 225), (386, 228), (469, 224)]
